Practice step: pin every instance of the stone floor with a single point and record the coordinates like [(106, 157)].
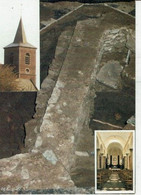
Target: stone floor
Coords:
[(114, 183)]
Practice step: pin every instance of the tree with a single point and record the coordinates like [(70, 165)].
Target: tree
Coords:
[(7, 78)]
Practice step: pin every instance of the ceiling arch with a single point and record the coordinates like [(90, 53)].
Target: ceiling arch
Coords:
[(115, 145), (114, 151), (114, 137)]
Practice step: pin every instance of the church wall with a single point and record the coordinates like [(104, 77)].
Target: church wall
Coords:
[(15, 51), (19, 62), (128, 153), (101, 154), (31, 67)]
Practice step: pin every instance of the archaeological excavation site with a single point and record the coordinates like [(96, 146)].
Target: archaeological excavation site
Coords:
[(87, 56)]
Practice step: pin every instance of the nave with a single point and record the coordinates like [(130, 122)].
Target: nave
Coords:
[(115, 160)]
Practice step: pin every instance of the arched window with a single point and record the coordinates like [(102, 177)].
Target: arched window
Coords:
[(11, 58), (27, 58)]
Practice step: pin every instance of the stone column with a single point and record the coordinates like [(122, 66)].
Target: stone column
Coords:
[(121, 161), (123, 164), (104, 162), (127, 161), (107, 162), (118, 158), (131, 159), (101, 161), (111, 159), (98, 156)]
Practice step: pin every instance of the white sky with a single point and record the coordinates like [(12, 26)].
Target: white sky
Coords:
[(10, 13)]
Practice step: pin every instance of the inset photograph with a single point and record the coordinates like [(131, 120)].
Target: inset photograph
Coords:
[(114, 161), (19, 45)]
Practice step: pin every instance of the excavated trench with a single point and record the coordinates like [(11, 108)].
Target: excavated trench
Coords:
[(114, 108)]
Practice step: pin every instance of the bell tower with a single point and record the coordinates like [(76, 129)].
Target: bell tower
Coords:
[(21, 55)]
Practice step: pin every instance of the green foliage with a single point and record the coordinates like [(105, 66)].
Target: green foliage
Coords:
[(7, 78)]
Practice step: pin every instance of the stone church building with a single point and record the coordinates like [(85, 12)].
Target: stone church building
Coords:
[(22, 55)]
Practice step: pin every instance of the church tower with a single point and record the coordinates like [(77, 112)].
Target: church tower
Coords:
[(21, 55)]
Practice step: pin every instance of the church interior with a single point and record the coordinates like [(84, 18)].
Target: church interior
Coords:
[(114, 160)]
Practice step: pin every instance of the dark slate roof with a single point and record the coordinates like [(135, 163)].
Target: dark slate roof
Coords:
[(20, 38)]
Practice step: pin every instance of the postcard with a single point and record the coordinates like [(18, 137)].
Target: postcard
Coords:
[(68, 96)]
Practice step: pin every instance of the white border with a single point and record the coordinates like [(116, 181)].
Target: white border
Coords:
[(134, 170), (138, 97)]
